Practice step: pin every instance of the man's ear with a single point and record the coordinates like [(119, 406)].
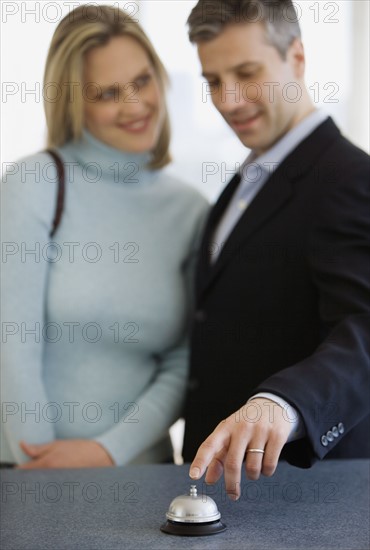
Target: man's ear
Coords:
[(296, 58)]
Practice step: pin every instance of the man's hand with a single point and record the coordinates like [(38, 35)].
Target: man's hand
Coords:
[(260, 424), (68, 453)]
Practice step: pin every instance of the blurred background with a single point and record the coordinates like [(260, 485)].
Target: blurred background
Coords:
[(336, 38)]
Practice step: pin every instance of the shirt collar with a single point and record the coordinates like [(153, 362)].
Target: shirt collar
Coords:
[(271, 159)]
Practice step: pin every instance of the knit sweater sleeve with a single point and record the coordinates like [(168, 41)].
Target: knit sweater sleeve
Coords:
[(146, 421), (28, 202)]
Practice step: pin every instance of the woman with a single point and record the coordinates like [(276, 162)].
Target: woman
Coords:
[(94, 356)]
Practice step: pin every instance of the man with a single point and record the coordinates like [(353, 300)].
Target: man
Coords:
[(280, 340)]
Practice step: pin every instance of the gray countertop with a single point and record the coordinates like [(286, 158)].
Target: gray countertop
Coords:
[(324, 507)]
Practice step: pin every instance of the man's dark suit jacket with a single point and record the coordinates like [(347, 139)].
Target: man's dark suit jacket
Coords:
[(286, 306)]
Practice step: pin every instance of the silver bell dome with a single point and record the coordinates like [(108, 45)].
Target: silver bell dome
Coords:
[(192, 508), (193, 515)]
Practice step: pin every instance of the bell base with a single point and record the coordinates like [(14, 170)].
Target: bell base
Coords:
[(192, 529)]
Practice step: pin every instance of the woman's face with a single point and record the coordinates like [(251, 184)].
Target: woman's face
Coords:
[(123, 104)]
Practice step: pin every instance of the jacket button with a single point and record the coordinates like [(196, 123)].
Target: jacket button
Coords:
[(335, 431), (200, 316), (324, 441), (340, 427), (330, 435)]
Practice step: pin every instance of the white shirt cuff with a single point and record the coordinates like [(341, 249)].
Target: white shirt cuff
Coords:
[(291, 415)]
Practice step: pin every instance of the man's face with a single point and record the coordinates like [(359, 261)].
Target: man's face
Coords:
[(254, 89)]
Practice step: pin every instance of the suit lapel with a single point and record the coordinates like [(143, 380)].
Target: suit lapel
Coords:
[(267, 202), (204, 265), (272, 197)]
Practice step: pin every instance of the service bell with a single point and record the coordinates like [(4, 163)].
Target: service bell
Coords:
[(193, 515)]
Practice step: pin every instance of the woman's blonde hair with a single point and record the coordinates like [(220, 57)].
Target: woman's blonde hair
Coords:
[(84, 28)]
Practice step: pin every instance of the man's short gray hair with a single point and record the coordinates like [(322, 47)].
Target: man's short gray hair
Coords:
[(209, 18)]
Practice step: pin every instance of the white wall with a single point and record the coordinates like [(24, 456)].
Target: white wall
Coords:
[(335, 36)]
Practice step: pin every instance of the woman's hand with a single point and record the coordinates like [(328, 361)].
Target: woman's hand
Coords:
[(67, 453)]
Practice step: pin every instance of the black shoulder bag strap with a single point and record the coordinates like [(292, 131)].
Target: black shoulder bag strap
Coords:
[(61, 190)]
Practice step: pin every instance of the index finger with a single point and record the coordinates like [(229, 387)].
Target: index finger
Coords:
[(35, 449), (214, 443)]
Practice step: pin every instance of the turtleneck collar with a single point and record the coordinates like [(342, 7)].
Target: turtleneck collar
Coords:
[(113, 164)]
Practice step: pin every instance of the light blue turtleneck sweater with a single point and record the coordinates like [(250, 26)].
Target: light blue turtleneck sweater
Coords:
[(93, 327)]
